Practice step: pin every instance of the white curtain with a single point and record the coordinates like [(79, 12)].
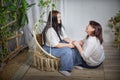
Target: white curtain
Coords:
[(33, 16)]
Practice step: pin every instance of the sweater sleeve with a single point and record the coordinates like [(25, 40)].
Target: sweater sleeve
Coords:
[(88, 48)]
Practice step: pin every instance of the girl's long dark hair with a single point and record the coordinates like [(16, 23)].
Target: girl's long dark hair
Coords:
[(54, 24), (98, 30)]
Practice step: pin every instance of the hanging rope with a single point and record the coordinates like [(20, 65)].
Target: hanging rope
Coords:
[(50, 24)]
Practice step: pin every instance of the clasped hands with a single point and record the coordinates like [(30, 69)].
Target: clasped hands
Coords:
[(75, 43)]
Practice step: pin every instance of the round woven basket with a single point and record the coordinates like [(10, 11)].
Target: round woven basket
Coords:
[(42, 61)]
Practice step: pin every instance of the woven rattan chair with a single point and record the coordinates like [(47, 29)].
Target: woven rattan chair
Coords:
[(42, 59)]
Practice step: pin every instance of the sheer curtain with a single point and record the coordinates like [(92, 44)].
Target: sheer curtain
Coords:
[(33, 16)]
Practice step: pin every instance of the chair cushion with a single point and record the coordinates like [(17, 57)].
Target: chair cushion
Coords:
[(39, 38)]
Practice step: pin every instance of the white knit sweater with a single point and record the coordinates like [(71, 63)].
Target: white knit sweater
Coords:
[(93, 52)]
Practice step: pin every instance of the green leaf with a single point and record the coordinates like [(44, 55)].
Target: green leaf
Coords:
[(53, 6), (11, 8)]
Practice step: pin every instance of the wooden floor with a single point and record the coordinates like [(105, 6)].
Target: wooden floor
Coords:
[(110, 70)]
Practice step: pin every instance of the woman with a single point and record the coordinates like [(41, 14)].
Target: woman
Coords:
[(91, 49), (54, 36)]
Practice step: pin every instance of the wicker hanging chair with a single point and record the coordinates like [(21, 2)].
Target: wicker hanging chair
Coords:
[(43, 60)]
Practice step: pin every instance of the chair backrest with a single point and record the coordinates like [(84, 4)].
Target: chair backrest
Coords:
[(39, 38), (38, 42)]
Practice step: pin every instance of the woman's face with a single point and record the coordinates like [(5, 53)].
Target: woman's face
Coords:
[(59, 18), (89, 29)]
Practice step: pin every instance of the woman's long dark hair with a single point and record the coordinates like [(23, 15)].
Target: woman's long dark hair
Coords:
[(56, 26), (98, 30)]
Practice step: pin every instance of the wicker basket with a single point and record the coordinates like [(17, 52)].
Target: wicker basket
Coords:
[(43, 61)]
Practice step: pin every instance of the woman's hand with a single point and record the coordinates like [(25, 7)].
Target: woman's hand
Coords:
[(81, 42), (70, 45), (78, 46), (76, 43)]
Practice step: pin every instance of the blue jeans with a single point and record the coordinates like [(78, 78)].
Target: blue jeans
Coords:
[(65, 55), (84, 64), (68, 57), (78, 60)]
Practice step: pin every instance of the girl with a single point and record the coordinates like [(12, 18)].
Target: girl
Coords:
[(91, 49), (54, 36)]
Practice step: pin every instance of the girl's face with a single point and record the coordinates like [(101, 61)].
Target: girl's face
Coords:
[(89, 29), (59, 18)]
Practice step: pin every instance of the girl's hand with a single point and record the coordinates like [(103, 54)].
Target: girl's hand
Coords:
[(81, 42), (76, 43), (70, 45)]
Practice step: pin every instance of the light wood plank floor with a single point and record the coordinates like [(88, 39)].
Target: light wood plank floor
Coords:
[(110, 70)]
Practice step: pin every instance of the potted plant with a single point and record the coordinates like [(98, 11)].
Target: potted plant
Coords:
[(13, 16), (114, 24)]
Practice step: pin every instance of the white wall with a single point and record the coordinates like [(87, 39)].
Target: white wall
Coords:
[(76, 15)]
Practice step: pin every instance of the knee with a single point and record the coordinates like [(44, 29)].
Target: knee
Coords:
[(68, 51)]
